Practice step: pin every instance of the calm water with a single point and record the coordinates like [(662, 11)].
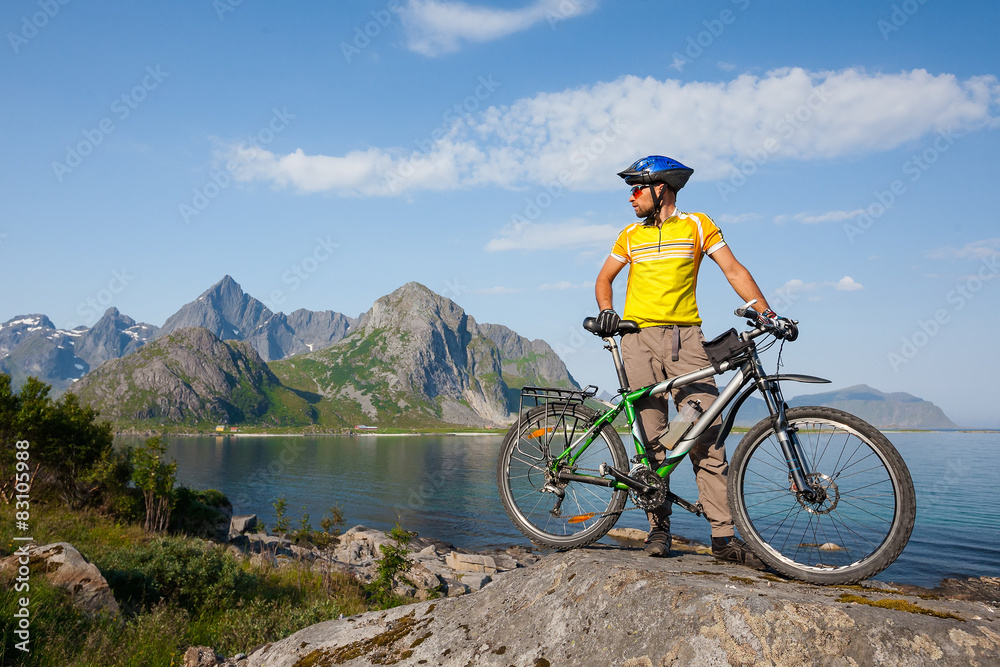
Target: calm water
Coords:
[(443, 486)]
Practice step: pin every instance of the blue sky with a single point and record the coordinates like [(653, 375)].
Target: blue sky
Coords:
[(323, 154)]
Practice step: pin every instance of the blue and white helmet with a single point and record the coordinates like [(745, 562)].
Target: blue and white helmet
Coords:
[(657, 169)]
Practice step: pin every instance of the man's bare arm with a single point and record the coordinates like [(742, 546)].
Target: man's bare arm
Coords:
[(602, 289), (739, 278)]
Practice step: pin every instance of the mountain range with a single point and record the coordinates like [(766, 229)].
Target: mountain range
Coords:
[(414, 359), (885, 410)]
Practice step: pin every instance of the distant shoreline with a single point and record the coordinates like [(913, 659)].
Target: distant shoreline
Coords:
[(368, 434)]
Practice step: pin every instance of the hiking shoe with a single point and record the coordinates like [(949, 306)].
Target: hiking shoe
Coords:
[(735, 550), (657, 543)]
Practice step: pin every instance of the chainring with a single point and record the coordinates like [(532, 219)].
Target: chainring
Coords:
[(648, 501)]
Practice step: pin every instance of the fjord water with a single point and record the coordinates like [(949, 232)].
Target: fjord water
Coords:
[(444, 487)]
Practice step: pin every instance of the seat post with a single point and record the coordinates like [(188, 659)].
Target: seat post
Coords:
[(612, 346)]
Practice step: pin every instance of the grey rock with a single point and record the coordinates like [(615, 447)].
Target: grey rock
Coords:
[(474, 580), (65, 567), (581, 608), (241, 523)]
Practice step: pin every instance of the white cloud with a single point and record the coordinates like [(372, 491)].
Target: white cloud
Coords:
[(848, 284), (974, 250), (580, 138), (795, 289), (435, 27), (554, 236)]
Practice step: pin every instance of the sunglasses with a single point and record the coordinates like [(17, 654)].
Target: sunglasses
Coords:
[(636, 189)]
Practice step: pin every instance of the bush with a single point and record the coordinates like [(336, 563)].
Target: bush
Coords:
[(69, 446), (392, 563), (200, 513), (193, 576)]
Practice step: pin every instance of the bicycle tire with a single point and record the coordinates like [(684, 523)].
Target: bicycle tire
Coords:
[(865, 520), (540, 434)]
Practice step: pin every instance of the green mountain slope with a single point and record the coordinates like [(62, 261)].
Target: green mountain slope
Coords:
[(192, 378)]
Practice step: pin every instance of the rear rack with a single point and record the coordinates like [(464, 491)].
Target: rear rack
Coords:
[(541, 395)]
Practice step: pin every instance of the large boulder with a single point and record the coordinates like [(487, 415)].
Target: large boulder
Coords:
[(65, 567), (613, 606)]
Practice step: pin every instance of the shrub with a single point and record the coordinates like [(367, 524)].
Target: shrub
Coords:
[(194, 576), (199, 513)]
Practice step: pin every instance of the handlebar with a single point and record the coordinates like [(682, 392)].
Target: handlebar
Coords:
[(790, 331)]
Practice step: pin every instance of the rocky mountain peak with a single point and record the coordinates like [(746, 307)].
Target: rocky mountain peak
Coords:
[(411, 305)]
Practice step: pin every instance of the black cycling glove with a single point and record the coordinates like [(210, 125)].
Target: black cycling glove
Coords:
[(608, 321)]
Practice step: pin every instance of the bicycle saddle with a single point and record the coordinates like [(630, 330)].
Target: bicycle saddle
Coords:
[(624, 327)]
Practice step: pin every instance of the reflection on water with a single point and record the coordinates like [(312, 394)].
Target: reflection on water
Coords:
[(444, 487)]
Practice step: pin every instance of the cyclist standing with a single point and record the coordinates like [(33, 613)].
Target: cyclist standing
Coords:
[(664, 252)]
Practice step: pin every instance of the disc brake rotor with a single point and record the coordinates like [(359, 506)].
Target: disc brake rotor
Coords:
[(827, 488)]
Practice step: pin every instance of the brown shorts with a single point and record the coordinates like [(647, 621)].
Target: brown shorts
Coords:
[(648, 358)]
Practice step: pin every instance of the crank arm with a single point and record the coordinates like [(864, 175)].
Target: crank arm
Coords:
[(605, 469)]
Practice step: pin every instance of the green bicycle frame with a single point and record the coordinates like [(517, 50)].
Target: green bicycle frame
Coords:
[(744, 376)]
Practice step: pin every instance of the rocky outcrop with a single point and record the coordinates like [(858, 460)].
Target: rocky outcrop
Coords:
[(436, 568), (65, 567), (613, 606)]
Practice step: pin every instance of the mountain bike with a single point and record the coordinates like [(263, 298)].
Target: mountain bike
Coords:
[(818, 494)]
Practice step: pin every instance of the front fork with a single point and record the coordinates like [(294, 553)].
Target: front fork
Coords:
[(798, 467)]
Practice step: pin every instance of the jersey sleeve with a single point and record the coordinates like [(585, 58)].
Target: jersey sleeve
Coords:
[(713, 235), (621, 250)]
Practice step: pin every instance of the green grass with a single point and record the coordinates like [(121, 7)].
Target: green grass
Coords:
[(174, 591)]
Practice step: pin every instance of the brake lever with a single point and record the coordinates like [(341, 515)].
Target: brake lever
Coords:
[(742, 310)]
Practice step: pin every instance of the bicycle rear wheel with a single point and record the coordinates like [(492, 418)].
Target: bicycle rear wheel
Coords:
[(858, 526), (529, 492)]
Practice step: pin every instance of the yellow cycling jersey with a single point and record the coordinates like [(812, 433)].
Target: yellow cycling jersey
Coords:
[(664, 260)]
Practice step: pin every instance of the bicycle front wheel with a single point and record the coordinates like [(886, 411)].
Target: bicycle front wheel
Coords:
[(862, 518), (556, 513)]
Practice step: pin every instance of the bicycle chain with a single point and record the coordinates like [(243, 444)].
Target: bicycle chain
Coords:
[(604, 514)]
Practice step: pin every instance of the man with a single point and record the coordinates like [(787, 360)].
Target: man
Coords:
[(664, 253)]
